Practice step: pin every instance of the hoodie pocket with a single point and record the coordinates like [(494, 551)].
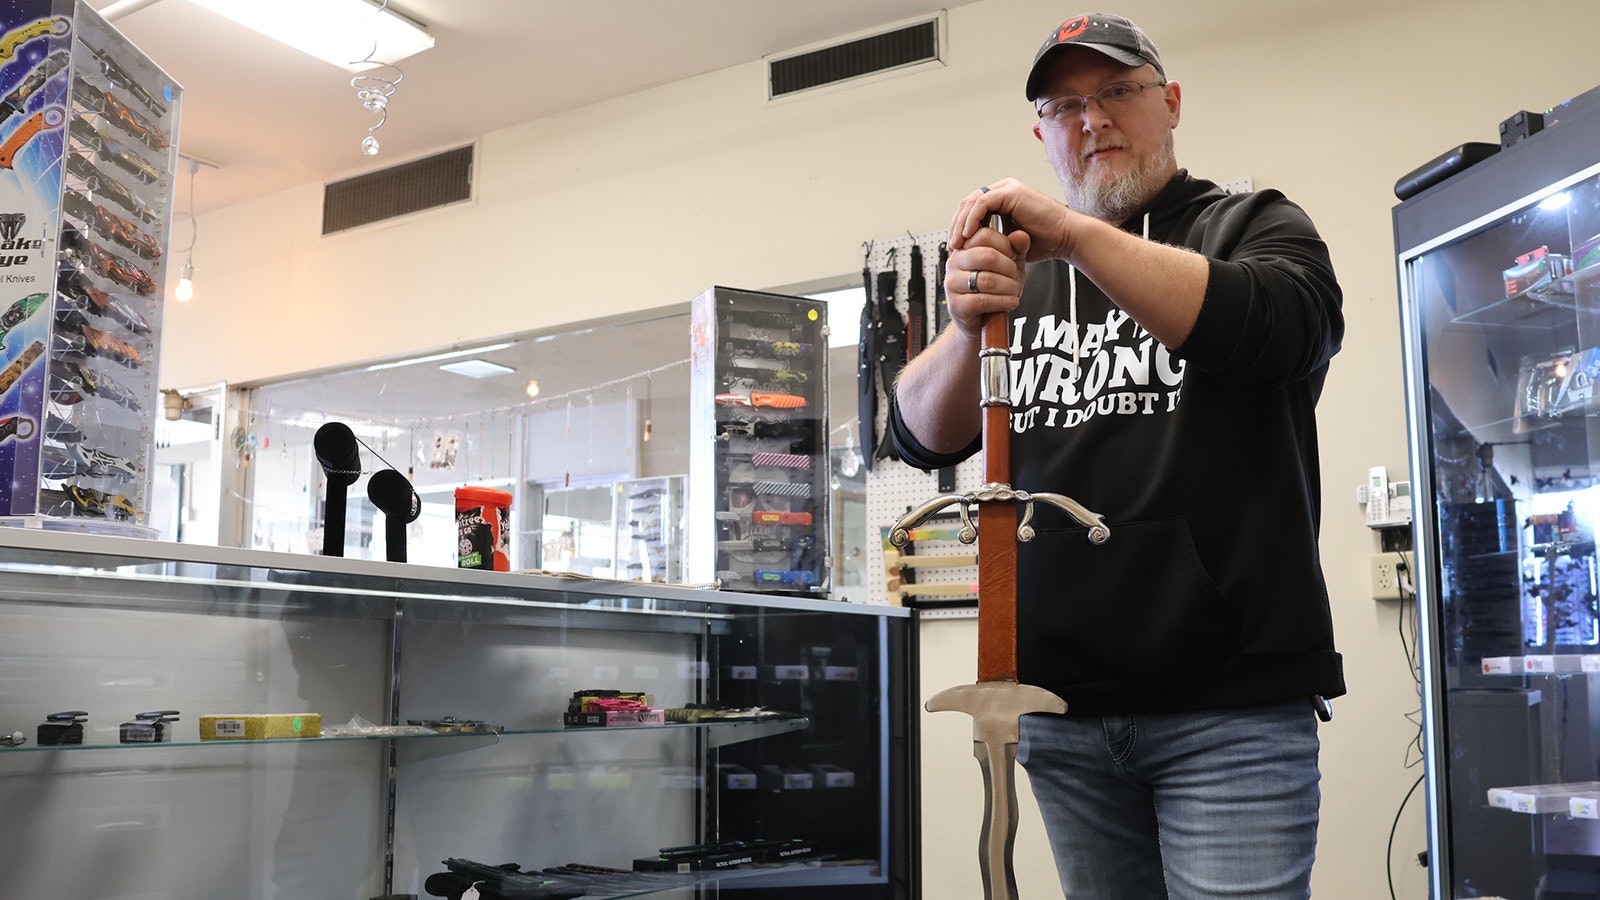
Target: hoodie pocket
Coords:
[(1140, 607)]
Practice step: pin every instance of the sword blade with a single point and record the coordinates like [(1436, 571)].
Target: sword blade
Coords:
[(995, 707), (999, 835)]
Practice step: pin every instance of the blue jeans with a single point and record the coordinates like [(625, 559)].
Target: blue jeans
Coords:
[(1186, 806)]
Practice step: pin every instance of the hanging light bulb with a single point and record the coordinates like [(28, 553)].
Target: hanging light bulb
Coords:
[(648, 386), (185, 290)]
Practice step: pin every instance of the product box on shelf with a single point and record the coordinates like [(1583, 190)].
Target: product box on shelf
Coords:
[(88, 134), (260, 727), (758, 454)]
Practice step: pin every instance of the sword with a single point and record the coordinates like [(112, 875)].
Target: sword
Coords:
[(997, 700)]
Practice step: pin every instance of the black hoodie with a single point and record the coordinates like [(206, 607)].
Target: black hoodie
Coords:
[(1202, 459)]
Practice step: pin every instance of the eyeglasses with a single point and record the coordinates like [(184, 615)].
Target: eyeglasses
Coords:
[(1114, 97)]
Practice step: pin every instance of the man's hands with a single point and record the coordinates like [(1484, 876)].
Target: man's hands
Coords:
[(1161, 287), (984, 272), (1047, 221)]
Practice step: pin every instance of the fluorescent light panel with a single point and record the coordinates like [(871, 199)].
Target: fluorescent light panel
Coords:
[(476, 368), (336, 31), (448, 354)]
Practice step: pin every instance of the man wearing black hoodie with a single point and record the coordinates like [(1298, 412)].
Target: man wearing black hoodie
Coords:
[(1168, 346)]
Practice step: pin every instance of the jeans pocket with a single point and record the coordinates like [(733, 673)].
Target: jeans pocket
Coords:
[(1140, 607)]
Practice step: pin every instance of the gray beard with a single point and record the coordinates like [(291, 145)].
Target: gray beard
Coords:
[(1114, 200)]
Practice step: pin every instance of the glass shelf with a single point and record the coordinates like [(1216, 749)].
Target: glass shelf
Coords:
[(608, 886), (1528, 308), (719, 734)]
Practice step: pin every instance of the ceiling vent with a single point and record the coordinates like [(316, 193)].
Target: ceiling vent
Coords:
[(882, 52), (426, 183)]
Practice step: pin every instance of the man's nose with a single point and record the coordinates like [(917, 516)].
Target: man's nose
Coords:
[(1094, 116)]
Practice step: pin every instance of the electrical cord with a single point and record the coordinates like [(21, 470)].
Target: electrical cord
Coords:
[(1388, 857), (1412, 650)]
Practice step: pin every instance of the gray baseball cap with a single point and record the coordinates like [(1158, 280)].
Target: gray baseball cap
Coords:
[(1114, 36)]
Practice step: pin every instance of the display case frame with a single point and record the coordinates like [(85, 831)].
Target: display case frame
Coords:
[(114, 626), (1491, 299)]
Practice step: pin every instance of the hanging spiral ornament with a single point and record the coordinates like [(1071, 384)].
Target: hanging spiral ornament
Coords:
[(374, 90)]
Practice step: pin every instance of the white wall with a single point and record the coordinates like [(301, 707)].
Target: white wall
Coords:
[(648, 199)]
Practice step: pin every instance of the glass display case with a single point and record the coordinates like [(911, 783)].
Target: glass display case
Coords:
[(1500, 289), (89, 129), (221, 721), (649, 529), (758, 442)]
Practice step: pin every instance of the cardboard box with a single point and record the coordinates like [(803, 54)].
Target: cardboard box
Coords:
[(779, 778), (736, 777), (615, 718), (260, 727), (833, 776)]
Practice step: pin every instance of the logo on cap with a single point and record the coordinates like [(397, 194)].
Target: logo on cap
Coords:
[(1072, 28)]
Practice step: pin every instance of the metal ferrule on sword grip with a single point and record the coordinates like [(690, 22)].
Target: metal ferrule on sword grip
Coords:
[(995, 363)]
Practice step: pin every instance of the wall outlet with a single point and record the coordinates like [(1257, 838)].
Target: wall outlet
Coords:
[(1387, 571)]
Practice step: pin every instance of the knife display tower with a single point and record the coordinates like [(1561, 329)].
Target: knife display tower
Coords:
[(758, 458), (88, 152)]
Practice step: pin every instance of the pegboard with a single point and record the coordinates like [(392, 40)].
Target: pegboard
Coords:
[(894, 488)]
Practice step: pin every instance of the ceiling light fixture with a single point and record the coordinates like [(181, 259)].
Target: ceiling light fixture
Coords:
[(476, 368), (336, 31), (184, 292), (435, 357)]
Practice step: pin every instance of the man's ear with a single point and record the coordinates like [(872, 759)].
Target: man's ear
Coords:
[(1174, 103)]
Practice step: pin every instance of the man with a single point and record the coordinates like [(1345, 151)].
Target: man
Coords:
[(1169, 343)]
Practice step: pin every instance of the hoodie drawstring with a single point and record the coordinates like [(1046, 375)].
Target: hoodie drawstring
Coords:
[(1072, 304)]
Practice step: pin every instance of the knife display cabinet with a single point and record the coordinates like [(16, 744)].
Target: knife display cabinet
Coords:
[(88, 152), (758, 460)]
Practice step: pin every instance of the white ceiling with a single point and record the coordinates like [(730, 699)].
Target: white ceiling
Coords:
[(275, 118)]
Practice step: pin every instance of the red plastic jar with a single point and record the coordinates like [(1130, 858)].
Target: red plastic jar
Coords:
[(483, 519)]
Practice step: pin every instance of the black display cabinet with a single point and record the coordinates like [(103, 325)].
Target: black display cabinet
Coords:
[(1499, 270)]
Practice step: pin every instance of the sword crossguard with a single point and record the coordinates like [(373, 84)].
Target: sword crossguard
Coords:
[(900, 535)]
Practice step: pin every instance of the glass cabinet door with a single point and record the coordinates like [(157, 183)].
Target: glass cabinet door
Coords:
[(1506, 312)]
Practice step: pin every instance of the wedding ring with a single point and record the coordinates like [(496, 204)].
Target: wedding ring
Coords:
[(984, 189), (972, 282)]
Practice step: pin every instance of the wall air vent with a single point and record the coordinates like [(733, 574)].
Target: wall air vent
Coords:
[(870, 55), (437, 180)]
